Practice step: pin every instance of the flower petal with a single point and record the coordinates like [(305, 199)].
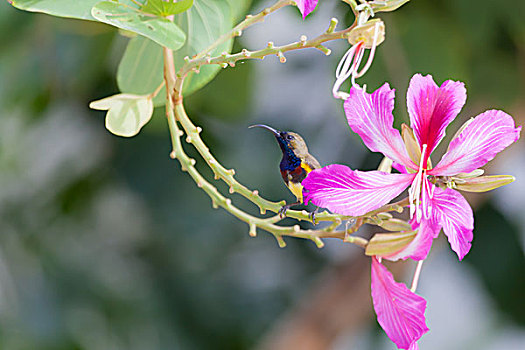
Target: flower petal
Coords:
[(413, 346), (452, 211), (480, 141), (306, 6), (399, 167), (418, 249), (432, 108), (370, 116), (352, 192), (400, 312)]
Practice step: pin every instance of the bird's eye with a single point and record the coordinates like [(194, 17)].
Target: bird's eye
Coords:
[(289, 137)]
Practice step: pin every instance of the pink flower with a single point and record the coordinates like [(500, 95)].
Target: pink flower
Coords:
[(434, 204), (306, 6), (400, 312)]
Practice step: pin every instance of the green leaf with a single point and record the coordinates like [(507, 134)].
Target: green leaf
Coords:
[(158, 29), (167, 8), (80, 9), (238, 9), (141, 71), (206, 20), (127, 113)]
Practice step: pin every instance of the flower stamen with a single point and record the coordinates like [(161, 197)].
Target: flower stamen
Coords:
[(418, 185), (371, 56), (347, 67), (415, 279), (349, 64)]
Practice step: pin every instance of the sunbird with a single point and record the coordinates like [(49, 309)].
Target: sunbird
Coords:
[(295, 164)]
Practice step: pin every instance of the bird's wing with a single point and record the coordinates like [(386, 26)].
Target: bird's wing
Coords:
[(312, 162)]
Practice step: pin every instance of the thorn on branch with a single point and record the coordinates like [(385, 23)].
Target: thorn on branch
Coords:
[(270, 44), (253, 230), (262, 211), (280, 241), (318, 242), (192, 161), (303, 39), (173, 155), (188, 139), (255, 192), (198, 130), (324, 49), (282, 59), (228, 202), (245, 53), (214, 204), (331, 27), (231, 190)]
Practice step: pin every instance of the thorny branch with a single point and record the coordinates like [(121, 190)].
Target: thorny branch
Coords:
[(176, 116)]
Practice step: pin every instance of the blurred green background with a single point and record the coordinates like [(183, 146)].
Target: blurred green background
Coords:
[(106, 244)]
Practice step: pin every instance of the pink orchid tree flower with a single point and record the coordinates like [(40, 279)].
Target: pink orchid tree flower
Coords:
[(434, 203), (306, 6), (399, 311)]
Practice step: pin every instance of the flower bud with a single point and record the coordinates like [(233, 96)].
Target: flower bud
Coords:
[(395, 225), (483, 183), (367, 32), (474, 173), (384, 244)]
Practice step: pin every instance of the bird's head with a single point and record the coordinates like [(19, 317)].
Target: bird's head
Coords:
[(288, 140)]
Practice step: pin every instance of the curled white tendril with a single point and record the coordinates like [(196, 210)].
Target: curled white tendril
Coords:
[(349, 65)]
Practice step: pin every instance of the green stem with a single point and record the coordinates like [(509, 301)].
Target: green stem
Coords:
[(176, 114), (224, 59), (248, 21), (230, 59), (218, 200), (227, 175)]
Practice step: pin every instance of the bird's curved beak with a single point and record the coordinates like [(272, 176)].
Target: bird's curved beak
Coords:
[(275, 132)]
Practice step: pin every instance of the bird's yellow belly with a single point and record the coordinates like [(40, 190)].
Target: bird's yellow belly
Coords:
[(297, 190)]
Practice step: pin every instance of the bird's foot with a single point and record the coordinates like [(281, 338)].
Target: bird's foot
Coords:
[(312, 215), (284, 209)]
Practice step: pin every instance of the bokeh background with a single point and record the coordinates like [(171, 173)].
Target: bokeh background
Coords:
[(106, 244)]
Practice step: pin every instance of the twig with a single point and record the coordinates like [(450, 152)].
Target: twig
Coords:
[(238, 29)]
